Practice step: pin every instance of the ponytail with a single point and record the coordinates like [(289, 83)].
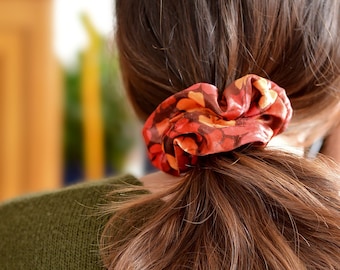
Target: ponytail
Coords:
[(249, 209), (235, 205)]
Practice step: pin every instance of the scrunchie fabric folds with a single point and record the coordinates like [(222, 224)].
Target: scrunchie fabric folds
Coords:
[(196, 122)]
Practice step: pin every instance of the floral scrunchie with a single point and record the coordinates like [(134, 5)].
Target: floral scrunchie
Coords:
[(195, 122)]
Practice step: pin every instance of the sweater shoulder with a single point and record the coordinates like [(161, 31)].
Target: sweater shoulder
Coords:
[(73, 192), (56, 230)]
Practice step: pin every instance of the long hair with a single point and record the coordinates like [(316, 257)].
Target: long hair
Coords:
[(251, 208)]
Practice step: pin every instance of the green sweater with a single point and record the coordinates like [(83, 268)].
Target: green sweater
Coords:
[(56, 230)]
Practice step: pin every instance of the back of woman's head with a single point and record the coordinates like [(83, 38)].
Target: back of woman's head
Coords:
[(248, 208), (166, 46)]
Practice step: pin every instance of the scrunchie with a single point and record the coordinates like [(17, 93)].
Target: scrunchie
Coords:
[(194, 122)]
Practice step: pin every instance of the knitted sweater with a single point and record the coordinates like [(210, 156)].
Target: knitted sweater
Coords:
[(56, 230)]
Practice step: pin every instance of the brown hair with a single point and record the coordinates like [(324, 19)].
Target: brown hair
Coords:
[(166, 46), (249, 209)]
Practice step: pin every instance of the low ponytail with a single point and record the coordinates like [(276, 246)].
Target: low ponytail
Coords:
[(249, 209), (236, 205)]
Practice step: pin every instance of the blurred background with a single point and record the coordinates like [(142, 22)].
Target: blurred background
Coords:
[(64, 117)]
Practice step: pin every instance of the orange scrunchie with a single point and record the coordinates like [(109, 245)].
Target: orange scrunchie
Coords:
[(194, 122)]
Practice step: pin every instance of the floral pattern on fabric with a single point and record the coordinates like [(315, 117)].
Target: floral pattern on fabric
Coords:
[(196, 122)]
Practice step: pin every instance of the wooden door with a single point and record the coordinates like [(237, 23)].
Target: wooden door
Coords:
[(30, 100)]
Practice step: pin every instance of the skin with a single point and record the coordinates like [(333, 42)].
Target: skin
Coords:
[(331, 147), (152, 181)]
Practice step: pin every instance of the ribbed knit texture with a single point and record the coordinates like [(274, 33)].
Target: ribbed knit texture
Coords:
[(56, 230)]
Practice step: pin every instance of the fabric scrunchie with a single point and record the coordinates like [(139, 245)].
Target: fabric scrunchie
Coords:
[(195, 122)]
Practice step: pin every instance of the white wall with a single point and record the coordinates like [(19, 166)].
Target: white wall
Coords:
[(69, 35)]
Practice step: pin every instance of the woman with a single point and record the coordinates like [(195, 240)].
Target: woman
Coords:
[(248, 207), (229, 203)]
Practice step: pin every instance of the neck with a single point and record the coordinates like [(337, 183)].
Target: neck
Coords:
[(159, 181)]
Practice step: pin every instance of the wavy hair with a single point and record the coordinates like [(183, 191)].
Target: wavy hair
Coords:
[(250, 208)]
